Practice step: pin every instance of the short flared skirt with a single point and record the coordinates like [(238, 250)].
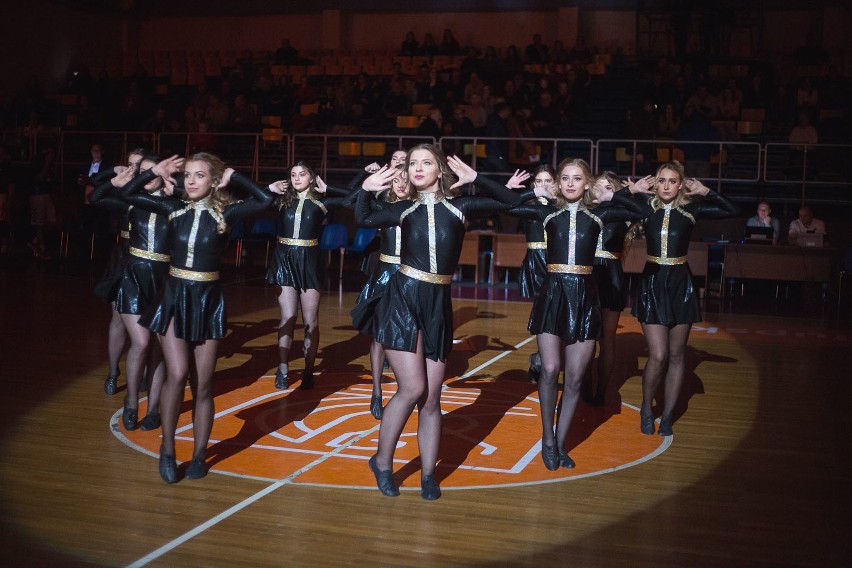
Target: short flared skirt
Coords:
[(140, 283), (666, 296), (196, 308), (365, 307), (107, 288), (567, 306), (532, 273), (409, 306), (612, 284), (297, 267)]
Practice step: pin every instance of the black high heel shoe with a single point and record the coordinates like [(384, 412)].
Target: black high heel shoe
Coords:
[(129, 417), (168, 468), (549, 456), (281, 379), (384, 479), (376, 408), (111, 384)]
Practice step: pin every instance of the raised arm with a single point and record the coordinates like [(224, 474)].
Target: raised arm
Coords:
[(622, 207), (491, 188), (259, 198), (106, 195), (533, 211), (367, 214), (714, 206)]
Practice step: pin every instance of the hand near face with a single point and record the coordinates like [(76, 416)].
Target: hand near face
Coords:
[(122, 178), (226, 178), (694, 187), (464, 172), (381, 180), (517, 180), (643, 185)]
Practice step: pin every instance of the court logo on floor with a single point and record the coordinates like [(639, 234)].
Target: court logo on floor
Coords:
[(491, 435)]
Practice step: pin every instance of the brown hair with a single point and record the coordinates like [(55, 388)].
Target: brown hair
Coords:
[(448, 178), (219, 198), (286, 200)]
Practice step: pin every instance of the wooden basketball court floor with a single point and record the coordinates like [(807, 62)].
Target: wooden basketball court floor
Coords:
[(756, 474)]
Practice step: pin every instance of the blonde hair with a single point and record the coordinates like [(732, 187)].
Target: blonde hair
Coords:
[(586, 200), (680, 199), (220, 198), (447, 179), (286, 200), (390, 196)]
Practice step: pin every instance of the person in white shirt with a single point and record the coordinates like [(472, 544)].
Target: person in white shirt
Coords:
[(805, 224)]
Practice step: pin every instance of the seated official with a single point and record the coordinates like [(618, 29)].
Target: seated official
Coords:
[(805, 224), (764, 218)]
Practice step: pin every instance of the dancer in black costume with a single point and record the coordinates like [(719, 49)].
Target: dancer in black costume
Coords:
[(190, 312), (296, 265), (107, 287), (667, 305), (565, 316), (413, 319)]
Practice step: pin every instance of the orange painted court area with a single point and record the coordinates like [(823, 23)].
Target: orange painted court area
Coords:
[(491, 435)]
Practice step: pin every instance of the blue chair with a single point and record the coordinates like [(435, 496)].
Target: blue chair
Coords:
[(335, 236), (362, 239)]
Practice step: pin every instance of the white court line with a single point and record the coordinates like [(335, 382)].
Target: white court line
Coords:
[(285, 481)]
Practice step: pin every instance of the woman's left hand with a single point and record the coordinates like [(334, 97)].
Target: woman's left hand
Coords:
[(692, 186), (322, 187), (465, 173), (226, 178), (279, 187), (517, 180)]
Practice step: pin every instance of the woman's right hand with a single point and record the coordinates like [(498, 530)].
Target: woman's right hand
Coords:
[(280, 187), (642, 185), (167, 168)]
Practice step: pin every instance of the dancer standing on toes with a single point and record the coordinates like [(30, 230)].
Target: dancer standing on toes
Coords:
[(612, 285), (296, 265), (364, 311), (565, 316), (667, 305), (189, 314), (107, 287), (413, 319)]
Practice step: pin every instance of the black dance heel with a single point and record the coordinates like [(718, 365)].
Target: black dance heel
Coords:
[(168, 468), (647, 420), (150, 422), (565, 460), (665, 428), (197, 468), (281, 379), (384, 479), (129, 417), (429, 489), (376, 408), (549, 456), (111, 384)]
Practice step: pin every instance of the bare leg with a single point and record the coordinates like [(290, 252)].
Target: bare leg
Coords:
[(606, 355), (288, 302), (678, 336), (411, 378), (577, 358)]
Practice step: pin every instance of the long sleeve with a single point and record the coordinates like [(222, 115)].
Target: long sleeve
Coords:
[(497, 191), (259, 199), (621, 208), (714, 206), (104, 196), (368, 216)]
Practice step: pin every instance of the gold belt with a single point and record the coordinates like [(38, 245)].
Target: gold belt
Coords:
[(569, 268), (389, 259), (537, 245), (607, 254), (430, 277), (193, 275), (124, 234), (298, 242), (150, 255), (667, 259)]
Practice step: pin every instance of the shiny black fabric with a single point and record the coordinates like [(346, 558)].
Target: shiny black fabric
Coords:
[(196, 308), (365, 307), (141, 280), (666, 296), (567, 306), (107, 287), (409, 306), (532, 272), (611, 282), (298, 267)]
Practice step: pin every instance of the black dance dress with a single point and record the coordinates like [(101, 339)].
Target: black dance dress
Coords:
[(418, 296), (103, 196), (666, 295), (192, 297), (296, 260), (567, 303), (607, 270), (534, 266), (389, 259)]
